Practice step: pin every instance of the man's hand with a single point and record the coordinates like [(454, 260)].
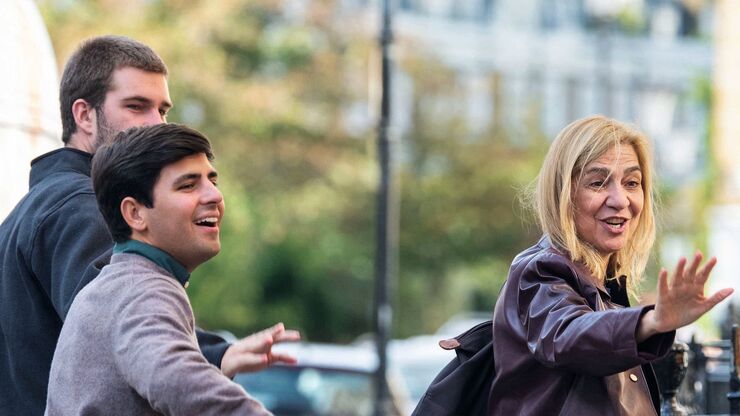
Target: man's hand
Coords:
[(680, 301), (254, 352)]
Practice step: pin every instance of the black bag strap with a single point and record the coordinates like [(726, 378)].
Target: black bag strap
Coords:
[(463, 385)]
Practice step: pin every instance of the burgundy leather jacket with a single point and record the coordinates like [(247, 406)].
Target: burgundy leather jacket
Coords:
[(564, 345)]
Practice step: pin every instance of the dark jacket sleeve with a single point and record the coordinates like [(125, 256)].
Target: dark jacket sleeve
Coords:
[(212, 346), (564, 331)]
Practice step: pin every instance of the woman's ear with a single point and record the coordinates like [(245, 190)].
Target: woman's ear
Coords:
[(134, 213)]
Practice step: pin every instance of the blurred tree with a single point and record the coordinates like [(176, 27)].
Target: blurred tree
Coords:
[(461, 220), (277, 89)]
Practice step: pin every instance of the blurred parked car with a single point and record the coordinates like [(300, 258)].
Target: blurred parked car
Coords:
[(461, 322), (328, 380), (416, 361), (332, 379)]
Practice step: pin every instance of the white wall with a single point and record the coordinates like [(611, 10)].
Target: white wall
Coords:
[(29, 107)]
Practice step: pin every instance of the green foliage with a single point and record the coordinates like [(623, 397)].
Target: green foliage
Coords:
[(461, 222), (271, 91)]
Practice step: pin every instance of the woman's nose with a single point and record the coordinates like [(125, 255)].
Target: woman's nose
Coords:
[(617, 197)]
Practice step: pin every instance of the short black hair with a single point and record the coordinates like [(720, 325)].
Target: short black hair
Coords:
[(130, 165), (88, 72)]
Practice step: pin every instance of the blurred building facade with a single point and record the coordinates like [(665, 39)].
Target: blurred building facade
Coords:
[(724, 223), (549, 62)]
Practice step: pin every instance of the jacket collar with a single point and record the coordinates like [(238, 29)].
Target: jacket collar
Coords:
[(157, 256), (65, 159), (614, 290)]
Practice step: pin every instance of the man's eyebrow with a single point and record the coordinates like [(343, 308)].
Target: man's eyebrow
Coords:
[(190, 176), (145, 100), (186, 177)]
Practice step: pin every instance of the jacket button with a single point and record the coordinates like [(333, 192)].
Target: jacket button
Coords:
[(633, 378)]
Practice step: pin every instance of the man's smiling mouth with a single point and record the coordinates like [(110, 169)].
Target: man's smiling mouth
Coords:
[(207, 222)]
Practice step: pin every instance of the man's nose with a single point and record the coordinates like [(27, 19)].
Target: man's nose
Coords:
[(212, 195), (153, 117)]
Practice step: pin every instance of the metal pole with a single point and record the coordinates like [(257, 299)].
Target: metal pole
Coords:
[(386, 230), (734, 394)]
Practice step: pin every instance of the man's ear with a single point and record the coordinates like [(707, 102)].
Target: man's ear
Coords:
[(134, 213), (84, 115)]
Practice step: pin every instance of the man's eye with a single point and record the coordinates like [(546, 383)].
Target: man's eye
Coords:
[(163, 112), (136, 107), (186, 186)]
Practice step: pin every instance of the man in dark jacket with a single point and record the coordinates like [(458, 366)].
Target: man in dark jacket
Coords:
[(55, 240)]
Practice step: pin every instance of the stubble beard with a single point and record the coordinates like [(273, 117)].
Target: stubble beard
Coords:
[(106, 133)]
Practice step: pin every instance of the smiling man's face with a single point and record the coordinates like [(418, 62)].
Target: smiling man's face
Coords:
[(187, 210)]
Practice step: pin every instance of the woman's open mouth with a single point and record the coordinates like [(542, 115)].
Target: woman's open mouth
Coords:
[(616, 225)]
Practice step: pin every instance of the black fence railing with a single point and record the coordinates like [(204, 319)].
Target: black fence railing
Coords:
[(701, 379)]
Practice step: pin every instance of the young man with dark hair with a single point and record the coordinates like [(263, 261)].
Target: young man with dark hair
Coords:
[(55, 241), (128, 345)]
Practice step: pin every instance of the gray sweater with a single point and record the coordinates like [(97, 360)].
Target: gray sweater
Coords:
[(128, 347)]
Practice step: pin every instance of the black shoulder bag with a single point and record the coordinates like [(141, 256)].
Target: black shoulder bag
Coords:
[(463, 386)]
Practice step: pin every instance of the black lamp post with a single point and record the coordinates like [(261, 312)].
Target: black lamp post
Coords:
[(387, 225)]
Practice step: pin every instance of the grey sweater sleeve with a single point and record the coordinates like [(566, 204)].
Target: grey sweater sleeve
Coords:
[(156, 352)]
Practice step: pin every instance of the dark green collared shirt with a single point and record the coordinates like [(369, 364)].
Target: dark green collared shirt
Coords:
[(159, 257)]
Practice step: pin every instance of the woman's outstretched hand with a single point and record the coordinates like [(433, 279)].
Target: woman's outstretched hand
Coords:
[(681, 300)]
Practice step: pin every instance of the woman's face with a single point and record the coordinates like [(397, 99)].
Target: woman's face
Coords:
[(609, 200)]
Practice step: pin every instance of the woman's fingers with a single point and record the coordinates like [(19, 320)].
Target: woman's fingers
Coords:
[(704, 272), (692, 273), (694, 266), (718, 297), (681, 300), (678, 273), (662, 282)]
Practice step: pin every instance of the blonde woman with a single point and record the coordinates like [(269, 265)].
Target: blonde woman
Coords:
[(565, 339)]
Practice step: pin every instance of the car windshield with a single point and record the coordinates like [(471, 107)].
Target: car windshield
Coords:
[(291, 390), (417, 377)]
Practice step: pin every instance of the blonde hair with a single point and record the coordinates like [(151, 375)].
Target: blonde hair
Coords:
[(577, 145)]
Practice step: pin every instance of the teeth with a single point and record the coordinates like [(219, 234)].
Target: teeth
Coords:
[(615, 222), (207, 221)]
